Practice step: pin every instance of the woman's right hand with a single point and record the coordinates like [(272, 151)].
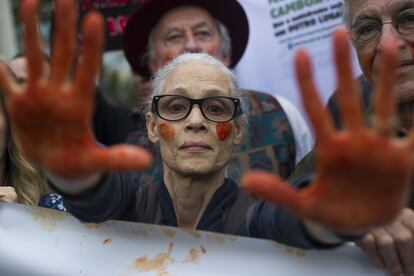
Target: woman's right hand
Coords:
[(52, 114)]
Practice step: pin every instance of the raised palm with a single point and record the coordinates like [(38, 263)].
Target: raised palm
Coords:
[(363, 175), (51, 113)]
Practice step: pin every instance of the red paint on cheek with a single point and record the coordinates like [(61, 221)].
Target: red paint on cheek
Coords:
[(223, 130), (167, 132)]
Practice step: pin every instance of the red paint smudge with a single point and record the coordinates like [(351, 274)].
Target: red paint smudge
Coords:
[(167, 132), (167, 58), (107, 241), (224, 130)]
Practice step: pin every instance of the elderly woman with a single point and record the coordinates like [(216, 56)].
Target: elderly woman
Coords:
[(196, 116)]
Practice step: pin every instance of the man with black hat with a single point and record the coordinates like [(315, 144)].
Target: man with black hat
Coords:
[(160, 30)]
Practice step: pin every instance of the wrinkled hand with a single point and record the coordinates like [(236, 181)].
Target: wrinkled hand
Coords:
[(392, 246), (8, 194), (363, 175), (52, 114)]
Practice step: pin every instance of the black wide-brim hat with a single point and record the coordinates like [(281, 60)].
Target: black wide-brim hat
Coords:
[(145, 17)]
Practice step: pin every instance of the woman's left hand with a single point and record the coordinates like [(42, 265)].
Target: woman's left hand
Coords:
[(363, 174)]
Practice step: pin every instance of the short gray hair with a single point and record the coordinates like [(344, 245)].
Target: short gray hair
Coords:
[(225, 46), (346, 9), (157, 84)]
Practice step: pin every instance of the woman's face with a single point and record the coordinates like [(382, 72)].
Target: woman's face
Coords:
[(195, 145)]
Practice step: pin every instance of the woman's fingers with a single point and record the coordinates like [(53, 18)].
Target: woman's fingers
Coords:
[(312, 103), (64, 42), (90, 60), (384, 100), (387, 250), (348, 96), (32, 41), (91, 159), (368, 244), (121, 158)]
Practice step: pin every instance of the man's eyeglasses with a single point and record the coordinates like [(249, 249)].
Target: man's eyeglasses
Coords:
[(365, 31), (217, 109)]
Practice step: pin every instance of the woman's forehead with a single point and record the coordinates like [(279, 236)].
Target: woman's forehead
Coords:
[(198, 79)]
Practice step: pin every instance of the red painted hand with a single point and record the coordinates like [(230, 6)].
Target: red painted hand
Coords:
[(51, 113), (363, 175)]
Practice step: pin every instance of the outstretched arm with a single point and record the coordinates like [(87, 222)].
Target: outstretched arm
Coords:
[(363, 175), (52, 114)]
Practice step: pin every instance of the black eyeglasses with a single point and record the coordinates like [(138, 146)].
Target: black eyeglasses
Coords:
[(369, 30), (217, 109)]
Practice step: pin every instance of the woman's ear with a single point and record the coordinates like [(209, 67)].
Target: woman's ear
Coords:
[(239, 130), (151, 128)]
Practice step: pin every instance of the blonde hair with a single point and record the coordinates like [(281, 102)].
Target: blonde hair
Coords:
[(29, 183)]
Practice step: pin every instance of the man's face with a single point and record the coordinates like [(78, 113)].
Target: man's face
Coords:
[(369, 54), (185, 29), (195, 145)]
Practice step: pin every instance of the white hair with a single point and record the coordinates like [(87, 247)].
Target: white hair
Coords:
[(162, 74), (346, 10)]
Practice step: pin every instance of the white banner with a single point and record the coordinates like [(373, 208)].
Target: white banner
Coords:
[(277, 29), (37, 241)]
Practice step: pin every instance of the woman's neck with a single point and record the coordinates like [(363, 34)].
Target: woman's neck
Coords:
[(191, 194)]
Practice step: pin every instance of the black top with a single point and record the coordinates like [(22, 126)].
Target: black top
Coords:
[(111, 122), (120, 197)]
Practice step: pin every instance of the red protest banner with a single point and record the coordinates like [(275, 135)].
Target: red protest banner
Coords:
[(116, 13)]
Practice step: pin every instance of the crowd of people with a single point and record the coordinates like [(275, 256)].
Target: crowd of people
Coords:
[(199, 132)]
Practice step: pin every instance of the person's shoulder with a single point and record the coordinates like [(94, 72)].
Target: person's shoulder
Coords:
[(259, 103)]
